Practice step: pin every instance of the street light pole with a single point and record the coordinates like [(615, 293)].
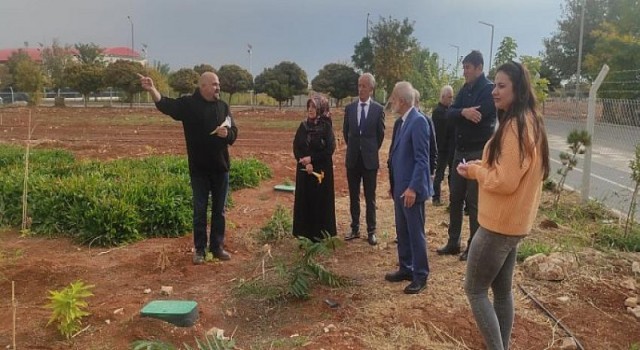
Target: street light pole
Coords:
[(457, 57), (132, 45), (578, 78), (250, 51), (367, 24), (490, 48)]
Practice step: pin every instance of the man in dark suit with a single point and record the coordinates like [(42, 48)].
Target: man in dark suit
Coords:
[(363, 132), (411, 187)]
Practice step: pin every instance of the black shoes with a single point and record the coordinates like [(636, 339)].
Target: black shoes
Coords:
[(198, 258), (221, 254), (437, 203), (398, 276), (448, 250), (464, 255), (372, 239), (352, 235), (415, 287)]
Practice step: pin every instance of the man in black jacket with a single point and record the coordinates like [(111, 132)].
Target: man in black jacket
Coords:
[(474, 116), (445, 133), (208, 131)]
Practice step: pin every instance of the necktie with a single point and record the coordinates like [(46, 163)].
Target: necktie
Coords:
[(363, 115)]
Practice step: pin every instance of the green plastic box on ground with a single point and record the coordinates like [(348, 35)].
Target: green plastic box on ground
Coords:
[(182, 313)]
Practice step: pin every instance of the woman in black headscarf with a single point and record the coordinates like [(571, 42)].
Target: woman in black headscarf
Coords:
[(314, 214)]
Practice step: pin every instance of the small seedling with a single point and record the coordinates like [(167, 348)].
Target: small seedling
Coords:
[(69, 307)]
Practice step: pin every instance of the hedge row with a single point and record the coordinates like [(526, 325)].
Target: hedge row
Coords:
[(105, 203)]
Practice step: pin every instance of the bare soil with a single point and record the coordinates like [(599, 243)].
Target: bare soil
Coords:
[(373, 314)]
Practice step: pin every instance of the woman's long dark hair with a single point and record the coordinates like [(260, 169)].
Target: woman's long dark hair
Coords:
[(524, 103)]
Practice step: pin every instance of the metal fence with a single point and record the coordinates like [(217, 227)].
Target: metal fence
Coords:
[(617, 122)]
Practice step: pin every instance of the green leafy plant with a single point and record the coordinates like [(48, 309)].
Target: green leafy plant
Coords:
[(69, 307), (211, 342), (577, 140), (634, 164), (247, 172), (307, 268), (105, 203), (151, 345), (278, 227)]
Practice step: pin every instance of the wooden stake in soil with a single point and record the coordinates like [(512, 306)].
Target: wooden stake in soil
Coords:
[(13, 304), (26, 225)]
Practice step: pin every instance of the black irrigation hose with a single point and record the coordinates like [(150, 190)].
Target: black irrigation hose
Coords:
[(558, 322)]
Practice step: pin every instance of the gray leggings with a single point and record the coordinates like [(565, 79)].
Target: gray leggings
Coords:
[(492, 258)]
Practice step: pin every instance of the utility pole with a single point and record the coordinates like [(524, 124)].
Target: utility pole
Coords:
[(132, 45)]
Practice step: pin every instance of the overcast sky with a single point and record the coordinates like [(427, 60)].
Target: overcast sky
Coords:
[(309, 32)]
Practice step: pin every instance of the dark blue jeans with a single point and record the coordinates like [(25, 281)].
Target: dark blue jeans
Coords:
[(462, 191), (492, 258), (203, 185)]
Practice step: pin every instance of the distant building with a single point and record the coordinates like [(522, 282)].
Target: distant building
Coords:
[(111, 54)]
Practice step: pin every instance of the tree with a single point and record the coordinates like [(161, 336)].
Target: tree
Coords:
[(89, 53), (540, 85), (54, 61), (85, 78), (282, 82), (26, 75), (6, 79), (561, 49), (160, 80), (506, 52), (427, 76), (233, 79), (201, 68), (393, 47), (363, 56), (121, 74), (336, 80), (162, 68), (620, 50), (184, 80)]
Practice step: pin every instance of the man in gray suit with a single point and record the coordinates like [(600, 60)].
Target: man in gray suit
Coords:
[(363, 132)]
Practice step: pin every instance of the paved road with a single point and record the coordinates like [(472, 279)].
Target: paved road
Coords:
[(611, 152)]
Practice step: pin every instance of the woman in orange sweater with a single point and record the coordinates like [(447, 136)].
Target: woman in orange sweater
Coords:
[(514, 163)]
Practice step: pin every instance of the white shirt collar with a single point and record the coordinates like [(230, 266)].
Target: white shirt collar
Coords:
[(404, 116), (367, 102)]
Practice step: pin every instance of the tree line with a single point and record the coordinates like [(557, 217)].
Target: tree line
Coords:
[(391, 52)]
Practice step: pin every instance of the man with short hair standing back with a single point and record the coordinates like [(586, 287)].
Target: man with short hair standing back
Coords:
[(474, 116), (208, 131), (363, 132)]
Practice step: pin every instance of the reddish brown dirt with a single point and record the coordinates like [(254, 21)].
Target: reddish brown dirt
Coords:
[(372, 314)]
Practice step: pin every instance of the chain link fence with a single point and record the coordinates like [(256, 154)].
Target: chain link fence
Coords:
[(617, 122)]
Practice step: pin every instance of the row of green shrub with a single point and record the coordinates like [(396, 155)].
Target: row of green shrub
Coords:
[(105, 203)]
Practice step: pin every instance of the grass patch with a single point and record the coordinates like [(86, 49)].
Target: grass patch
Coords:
[(278, 227), (529, 248), (106, 203)]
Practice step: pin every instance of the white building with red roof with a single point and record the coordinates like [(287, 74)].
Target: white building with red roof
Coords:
[(111, 54)]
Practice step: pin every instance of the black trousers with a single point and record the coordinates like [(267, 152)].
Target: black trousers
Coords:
[(368, 178), (443, 163), (462, 191), (216, 186)]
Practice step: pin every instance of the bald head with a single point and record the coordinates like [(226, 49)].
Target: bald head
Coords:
[(209, 86)]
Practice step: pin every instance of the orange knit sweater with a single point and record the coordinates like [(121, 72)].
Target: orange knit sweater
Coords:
[(509, 192)]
